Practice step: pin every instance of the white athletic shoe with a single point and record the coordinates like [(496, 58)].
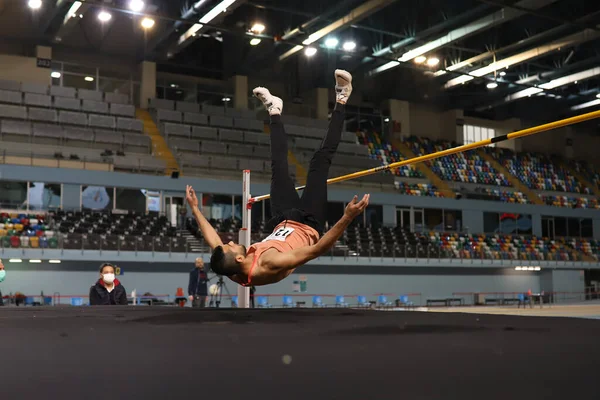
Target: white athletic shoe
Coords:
[(274, 105), (343, 85)]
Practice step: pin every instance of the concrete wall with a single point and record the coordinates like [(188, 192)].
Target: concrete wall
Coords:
[(23, 69), (72, 279)]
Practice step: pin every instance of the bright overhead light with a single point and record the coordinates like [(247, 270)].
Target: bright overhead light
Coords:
[(349, 46), (502, 73), (226, 99), (35, 261), (331, 43), (257, 28), (104, 16), (310, 51), (55, 74), (89, 79), (219, 8), (73, 10), (386, 120), (54, 261), (15, 260), (538, 268), (35, 4), (492, 85), (136, 5), (598, 95), (420, 59), (147, 23), (518, 268), (173, 85), (433, 61), (254, 41)]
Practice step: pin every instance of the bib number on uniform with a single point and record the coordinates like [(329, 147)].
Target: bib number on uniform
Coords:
[(280, 234)]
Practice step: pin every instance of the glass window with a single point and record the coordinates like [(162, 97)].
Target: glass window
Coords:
[(44, 196), (374, 216), (217, 206), (587, 229), (434, 219), (13, 195), (335, 211), (97, 198), (491, 222), (130, 200), (452, 220), (237, 210), (560, 226), (573, 228), (472, 134), (524, 224)]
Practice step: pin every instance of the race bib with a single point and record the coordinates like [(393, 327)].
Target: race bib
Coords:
[(280, 234)]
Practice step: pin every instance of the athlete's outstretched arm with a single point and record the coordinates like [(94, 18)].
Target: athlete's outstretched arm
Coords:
[(210, 235), (295, 258)]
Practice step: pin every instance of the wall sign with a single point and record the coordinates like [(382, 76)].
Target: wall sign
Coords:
[(44, 63)]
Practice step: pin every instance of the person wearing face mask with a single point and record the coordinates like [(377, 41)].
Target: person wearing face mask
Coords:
[(2, 277), (108, 290)]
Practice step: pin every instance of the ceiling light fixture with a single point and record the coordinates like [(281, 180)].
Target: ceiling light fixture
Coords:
[(502, 73), (147, 23), (226, 99), (35, 4), (136, 5), (420, 59), (349, 46), (433, 61), (104, 16), (15, 260), (254, 41), (310, 51), (257, 28), (54, 261), (331, 43), (386, 120), (89, 79), (492, 85), (35, 261), (55, 74)]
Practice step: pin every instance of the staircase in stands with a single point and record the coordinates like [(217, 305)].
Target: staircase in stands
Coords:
[(424, 169), (159, 145)]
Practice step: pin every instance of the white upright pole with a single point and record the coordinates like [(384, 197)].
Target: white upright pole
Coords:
[(244, 292)]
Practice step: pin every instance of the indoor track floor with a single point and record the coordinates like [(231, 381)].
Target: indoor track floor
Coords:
[(171, 353)]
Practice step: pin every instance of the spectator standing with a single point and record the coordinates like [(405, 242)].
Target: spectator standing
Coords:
[(198, 285)]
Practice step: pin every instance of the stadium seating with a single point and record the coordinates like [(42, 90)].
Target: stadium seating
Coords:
[(380, 150), (91, 231), (53, 122), (588, 171), (502, 195), (539, 171), (466, 167), (418, 189), (570, 202)]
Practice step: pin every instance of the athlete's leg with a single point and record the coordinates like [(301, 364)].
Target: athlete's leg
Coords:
[(283, 191), (314, 198)]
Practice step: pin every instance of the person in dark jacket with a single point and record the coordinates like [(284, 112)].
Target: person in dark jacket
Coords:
[(108, 290), (198, 285)]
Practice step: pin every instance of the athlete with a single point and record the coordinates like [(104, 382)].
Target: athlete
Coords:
[(298, 221)]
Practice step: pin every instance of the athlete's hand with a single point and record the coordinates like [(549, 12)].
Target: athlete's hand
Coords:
[(190, 196), (354, 208)]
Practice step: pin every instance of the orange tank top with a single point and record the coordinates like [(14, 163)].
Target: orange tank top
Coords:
[(287, 236)]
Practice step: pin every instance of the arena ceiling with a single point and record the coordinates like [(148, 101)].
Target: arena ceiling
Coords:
[(495, 58)]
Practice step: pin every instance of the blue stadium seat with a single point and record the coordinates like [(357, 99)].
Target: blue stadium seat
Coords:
[(382, 301), (234, 301), (362, 301), (340, 301), (317, 301), (263, 302), (287, 301)]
